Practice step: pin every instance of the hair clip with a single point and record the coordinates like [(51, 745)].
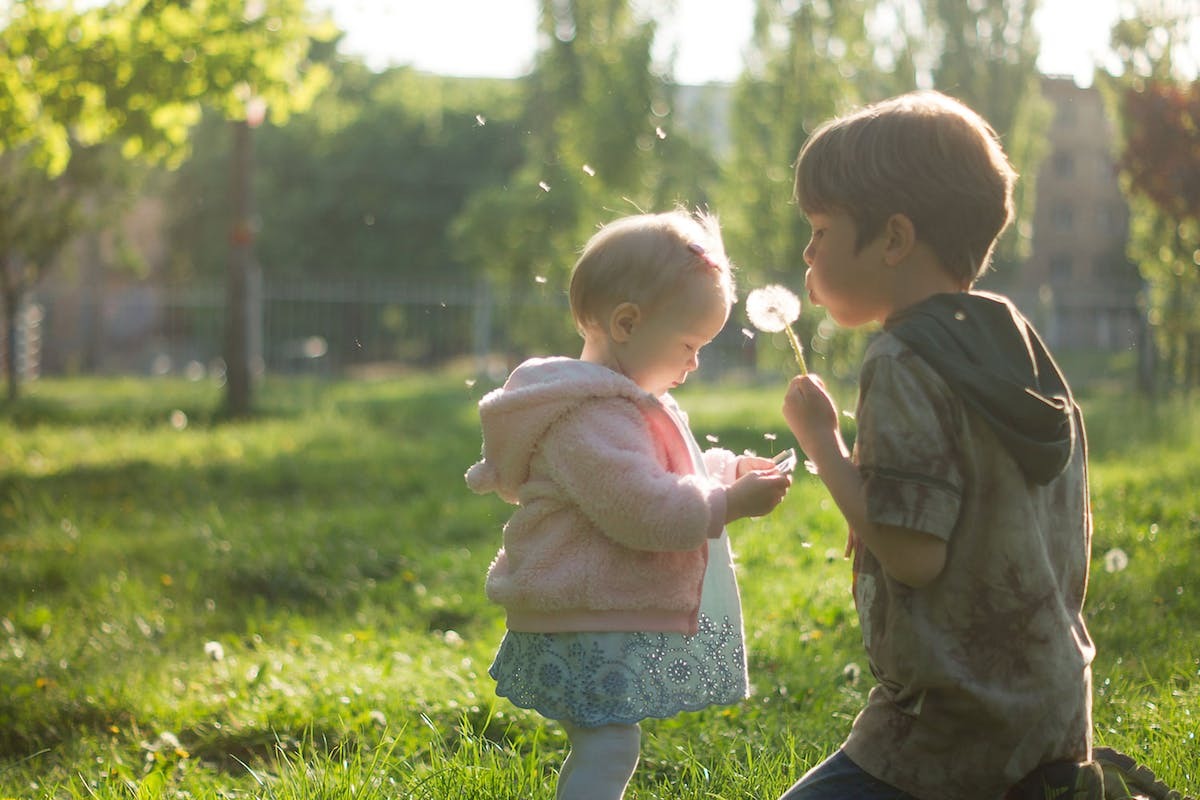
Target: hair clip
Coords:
[(703, 255)]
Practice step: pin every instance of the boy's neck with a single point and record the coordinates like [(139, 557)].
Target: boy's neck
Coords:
[(920, 277)]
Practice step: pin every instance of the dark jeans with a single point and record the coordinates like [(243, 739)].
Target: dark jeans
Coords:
[(839, 778)]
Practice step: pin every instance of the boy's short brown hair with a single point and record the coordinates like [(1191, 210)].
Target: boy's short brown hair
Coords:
[(924, 155)]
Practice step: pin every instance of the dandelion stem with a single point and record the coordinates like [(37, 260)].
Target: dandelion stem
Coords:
[(796, 349)]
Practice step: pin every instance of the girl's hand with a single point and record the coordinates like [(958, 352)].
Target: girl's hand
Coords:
[(811, 415), (747, 464), (755, 494)]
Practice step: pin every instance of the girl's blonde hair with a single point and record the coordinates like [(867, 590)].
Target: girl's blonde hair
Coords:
[(644, 259)]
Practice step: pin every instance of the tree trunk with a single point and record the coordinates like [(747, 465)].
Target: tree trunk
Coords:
[(12, 302), (238, 366), (10, 298)]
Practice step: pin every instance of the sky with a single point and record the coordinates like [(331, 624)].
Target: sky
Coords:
[(498, 38)]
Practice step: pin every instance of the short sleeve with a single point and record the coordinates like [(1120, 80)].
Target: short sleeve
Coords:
[(907, 449)]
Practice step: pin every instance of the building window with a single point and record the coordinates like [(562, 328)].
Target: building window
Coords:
[(1062, 216), (1063, 165), (1060, 268)]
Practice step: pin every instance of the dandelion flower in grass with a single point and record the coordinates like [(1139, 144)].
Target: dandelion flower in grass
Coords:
[(774, 308), (1115, 560)]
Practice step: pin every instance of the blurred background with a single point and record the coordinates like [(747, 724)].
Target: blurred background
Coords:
[(222, 189)]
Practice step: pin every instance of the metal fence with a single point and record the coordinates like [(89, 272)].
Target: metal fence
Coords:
[(297, 326), (328, 328)]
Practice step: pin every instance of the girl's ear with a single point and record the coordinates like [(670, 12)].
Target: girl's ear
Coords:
[(900, 237), (623, 320)]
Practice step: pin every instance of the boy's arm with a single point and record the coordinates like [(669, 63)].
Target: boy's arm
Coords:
[(910, 556)]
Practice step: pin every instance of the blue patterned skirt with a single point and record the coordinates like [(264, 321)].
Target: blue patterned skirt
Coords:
[(595, 679)]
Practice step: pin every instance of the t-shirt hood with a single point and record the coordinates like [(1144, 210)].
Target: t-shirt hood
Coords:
[(991, 357)]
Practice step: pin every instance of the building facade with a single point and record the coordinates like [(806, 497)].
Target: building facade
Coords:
[(1078, 282)]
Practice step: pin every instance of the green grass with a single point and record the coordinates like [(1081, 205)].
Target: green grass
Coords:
[(330, 554)]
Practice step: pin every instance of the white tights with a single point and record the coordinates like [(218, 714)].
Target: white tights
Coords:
[(601, 762)]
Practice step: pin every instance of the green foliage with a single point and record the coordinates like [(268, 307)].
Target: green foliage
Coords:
[(1158, 109), (133, 75), (808, 63), (364, 184), (599, 144), (137, 70), (292, 606), (985, 54)]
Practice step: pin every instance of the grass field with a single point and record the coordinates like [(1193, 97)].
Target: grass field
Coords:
[(292, 607)]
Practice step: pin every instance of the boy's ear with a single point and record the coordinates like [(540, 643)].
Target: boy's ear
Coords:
[(900, 237), (623, 320)]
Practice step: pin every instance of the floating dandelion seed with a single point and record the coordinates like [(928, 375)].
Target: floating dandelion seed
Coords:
[(1115, 560), (545, 187), (587, 170), (470, 383), (480, 120), (770, 437), (714, 439), (749, 334), (774, 308), (660, 133), (810, 467), (540, 279)]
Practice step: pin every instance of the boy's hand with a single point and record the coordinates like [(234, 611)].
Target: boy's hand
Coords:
[(755, 494), (811, 415)]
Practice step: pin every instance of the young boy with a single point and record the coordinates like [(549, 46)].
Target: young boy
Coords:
[(966, 494)]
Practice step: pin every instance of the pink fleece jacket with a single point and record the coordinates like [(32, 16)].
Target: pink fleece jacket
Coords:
[(612, 526)]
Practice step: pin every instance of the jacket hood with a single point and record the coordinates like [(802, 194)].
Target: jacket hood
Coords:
[(515, 417), (991, 357)]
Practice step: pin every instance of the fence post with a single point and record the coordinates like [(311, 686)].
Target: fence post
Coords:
[(481, 321)]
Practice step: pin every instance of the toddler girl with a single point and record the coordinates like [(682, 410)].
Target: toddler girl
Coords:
[(616, 574)]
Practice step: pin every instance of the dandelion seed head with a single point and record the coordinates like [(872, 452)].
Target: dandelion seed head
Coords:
[(179, 420), (1115, 560), (772, 308), (214, 651), (851, 672)]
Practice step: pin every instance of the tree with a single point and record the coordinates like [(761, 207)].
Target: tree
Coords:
[(591, 151), (1157, 99), (808, 62), (1160, 164), (135, 73), (984, 52)]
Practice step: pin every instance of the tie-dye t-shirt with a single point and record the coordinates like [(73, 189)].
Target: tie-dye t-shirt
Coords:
[(985, 672)]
